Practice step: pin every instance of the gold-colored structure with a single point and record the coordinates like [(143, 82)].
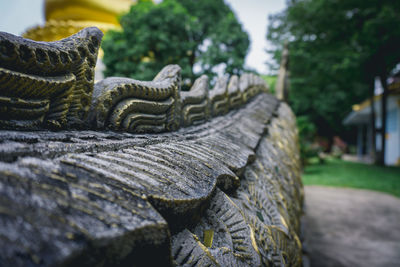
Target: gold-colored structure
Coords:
[(67, 17)]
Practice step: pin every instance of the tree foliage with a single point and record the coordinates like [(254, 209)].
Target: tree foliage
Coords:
[(185, 32), (336, 49)]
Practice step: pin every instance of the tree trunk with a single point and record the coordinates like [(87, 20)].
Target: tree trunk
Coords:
[(281, 88), (381, 160), (192, 61), (372, 121)]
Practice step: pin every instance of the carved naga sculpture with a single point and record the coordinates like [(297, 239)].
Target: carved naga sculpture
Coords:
[(219, 97), (135, 106), (218, 185), (50, 85), (47, 84), (195, 103)]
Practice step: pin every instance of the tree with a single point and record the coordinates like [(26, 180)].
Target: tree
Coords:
[(381, 36), (184, 32), (221, 37), (336, 50)]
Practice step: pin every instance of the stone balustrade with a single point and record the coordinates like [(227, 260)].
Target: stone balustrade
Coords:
[(134, 173)]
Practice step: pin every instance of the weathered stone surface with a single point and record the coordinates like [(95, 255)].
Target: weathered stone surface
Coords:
[(54, 214), (258, 224), (102, 183), (250, 85), (233, 240), (47, 84), (188, 250), (271, 193), (219, 97), (235, 97), (219, 184), (135, 106), (50, 85), (195, 103)]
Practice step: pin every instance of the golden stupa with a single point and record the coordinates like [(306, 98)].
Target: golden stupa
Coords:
[(66, 17)]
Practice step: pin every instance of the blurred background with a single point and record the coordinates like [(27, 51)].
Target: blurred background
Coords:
[(18, 16)]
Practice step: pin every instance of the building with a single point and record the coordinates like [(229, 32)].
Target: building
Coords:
[(361, 117), (66, 17)]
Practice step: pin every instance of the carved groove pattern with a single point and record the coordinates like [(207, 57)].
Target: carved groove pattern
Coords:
[(127, 104), (195, 103), (115, 198), (235, 97), (259, 224), (159, 106), (61, 73), (219, 97), (233, 238)]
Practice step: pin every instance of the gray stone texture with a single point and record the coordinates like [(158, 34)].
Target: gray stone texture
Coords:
[(141, 173), (112, 198)]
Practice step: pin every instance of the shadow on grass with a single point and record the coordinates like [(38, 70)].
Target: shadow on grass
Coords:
[(312, 171)]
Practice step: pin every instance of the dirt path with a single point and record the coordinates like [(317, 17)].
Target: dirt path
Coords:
[(350, 227)]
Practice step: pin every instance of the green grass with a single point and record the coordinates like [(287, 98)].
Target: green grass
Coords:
[(271, 81), (335, 172)]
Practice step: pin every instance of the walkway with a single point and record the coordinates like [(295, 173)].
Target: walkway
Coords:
[(350, 227)]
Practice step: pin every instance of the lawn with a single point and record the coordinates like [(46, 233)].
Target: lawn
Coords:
[(335, 172), (271, 81)]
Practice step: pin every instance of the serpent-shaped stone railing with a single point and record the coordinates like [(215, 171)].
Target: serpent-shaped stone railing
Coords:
[(217, 183), (135, 106), (47, 84), (219, 101)]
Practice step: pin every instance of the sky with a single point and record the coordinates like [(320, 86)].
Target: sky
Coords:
[(18, 15)]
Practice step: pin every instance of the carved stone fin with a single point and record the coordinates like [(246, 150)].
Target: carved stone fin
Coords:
[(61, 73), (235, 96), (195, 104), (136, 106), (219, 97)]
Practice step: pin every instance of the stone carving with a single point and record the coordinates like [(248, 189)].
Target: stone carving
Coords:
[(135, 106), (195, 103), (219, 97), (54, 82), (217, 188), (234, 94), (233, 243), (245, 87), (250, 85), (256, 226), (47, 84)]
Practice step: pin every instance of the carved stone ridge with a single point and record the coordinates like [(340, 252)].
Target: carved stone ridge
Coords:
[(217, 183)]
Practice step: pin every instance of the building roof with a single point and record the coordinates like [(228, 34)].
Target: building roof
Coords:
[(361, 112)]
